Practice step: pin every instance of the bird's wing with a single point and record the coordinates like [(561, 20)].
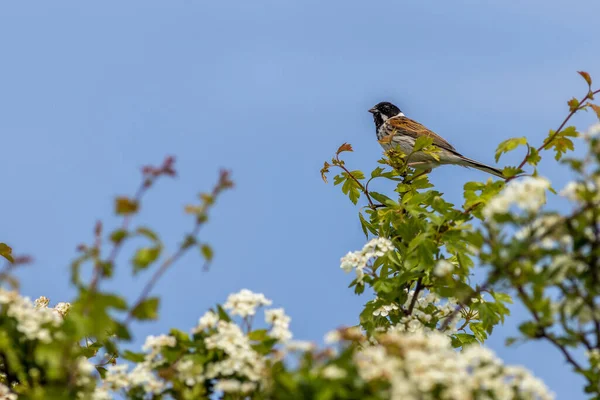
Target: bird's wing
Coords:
[(407, 126)]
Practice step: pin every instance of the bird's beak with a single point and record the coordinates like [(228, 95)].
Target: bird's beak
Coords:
[(372, 110)]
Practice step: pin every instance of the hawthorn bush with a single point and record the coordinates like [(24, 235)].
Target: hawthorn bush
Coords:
[(422, 327)]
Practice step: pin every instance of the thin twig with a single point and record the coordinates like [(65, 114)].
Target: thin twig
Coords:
[(562, 125), (413, 301)]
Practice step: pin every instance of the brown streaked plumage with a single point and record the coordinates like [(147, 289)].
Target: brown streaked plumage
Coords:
[(406, 126), (394, 129)]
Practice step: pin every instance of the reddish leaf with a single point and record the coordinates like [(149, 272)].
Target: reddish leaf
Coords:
[(344, 147), (586, 76), (324, 171), (596, 109)]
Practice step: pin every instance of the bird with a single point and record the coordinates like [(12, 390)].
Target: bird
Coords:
[(389, 120)]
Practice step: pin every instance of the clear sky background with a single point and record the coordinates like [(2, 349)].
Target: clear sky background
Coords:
[(91, 91)]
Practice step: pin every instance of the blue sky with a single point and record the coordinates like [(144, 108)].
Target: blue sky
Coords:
[(92, 91)]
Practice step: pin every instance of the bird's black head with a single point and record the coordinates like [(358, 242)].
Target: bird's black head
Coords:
[(383, 111)]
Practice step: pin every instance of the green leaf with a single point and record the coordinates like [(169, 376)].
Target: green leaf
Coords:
[(147, 232), (125, 206), (422, 142), (463, 339), (118, 235), (6, 252), (561, 146), (534, 156), (377, 172), (258, 335), (223, 314), (207, 252), (509, 145), (570, 131), (102, 371), (144, 257), (135, 357), (530, 329), (509, 172), (147, 309), (573, 104)]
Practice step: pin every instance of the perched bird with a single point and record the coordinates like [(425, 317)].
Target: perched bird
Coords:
[(389, 120)]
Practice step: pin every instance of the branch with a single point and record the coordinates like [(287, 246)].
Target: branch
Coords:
[(191, 239), (413, 301), (588, 96)]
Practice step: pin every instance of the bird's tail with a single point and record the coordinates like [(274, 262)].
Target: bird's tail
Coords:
[(483, 167)]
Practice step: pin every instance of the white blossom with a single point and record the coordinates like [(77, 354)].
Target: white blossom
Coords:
[(418, 364), (208, 320), (385, 310), (34, 320), (280, 324), (242, 359), (527, 194), (245, 303), (332, 337), (358, 260), (6, 394), (443, 268), (299, 345), (333, 372)]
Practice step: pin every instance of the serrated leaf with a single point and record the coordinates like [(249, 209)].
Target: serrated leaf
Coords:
[(509, 172), (509, 145), (573, 104), (343, 148), (125, 206), (534, 156), (561, 146), (377, 172), (147, 309), (144, 257), (586, 76), (570, 131), (339, 179), (422, 142), (354, 194)]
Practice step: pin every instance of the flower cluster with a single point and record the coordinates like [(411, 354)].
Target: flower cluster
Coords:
[(34, 319), (527, 194), (242, 360), (245, 303), (359, 260), (118, 377), (546, 232), (428, 310), (280, 322), (417, 365), (6, 394)]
